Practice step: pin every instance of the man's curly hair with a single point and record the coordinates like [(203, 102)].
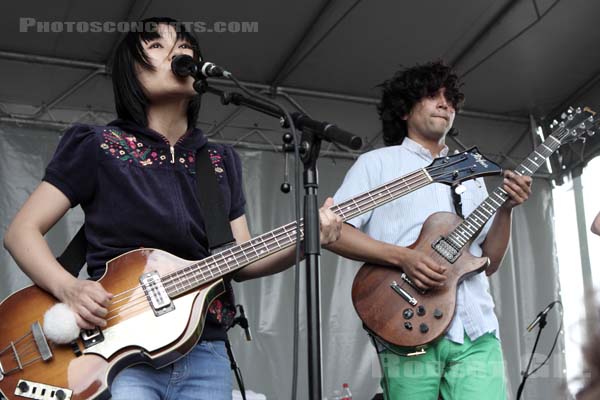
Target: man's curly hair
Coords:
[(406, 88)]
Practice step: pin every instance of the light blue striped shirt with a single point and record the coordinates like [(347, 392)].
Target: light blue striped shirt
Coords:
[(399, 222)]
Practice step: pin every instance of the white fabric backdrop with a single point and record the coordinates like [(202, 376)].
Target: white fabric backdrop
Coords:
[(526, 283)]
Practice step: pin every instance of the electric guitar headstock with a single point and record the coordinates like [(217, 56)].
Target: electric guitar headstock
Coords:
[(574, 125)]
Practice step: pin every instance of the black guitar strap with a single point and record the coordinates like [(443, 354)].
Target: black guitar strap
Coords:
[(457, 201), (212, 206), (73, 258)]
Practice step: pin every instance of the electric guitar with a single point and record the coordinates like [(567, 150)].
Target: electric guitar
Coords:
[(160, 302), (393, 308)]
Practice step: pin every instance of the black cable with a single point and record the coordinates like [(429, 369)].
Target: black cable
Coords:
[(377, 340)]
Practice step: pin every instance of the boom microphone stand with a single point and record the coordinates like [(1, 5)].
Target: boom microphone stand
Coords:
[(313, 132)]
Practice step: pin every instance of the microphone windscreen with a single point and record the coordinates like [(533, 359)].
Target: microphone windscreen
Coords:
[(182, 65)]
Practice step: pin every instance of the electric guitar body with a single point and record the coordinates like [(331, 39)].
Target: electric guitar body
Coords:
[(389, 304)]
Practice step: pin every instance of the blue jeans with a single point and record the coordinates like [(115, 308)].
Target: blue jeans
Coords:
[(204, 373)]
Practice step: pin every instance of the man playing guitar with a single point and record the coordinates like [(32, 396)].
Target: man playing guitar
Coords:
[(417, 110)]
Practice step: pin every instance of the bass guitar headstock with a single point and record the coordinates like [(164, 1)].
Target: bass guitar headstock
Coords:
[(456, 168)]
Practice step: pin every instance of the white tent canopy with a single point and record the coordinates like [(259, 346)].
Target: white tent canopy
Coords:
[(517, 58)]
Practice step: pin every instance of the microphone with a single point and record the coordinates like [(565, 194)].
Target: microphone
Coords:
[(332, 132), (184, 65), (540, 316)]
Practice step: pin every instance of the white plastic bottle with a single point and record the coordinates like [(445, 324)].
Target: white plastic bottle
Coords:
[(346, 393)]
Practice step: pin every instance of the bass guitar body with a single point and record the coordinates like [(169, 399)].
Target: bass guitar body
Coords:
[(139, 329), (397, 311)]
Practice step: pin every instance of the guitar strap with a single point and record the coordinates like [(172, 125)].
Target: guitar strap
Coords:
[(457, 201), (212, 206), (218, 230), (73, 258)]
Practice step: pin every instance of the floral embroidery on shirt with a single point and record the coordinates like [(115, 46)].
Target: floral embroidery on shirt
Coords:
[(223, 312), (126, 147), (217, 161)]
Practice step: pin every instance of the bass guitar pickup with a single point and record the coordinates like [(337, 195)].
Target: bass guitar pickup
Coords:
[(156, 293)]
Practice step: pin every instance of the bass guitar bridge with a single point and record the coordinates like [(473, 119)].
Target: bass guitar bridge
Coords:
[(446, 249)]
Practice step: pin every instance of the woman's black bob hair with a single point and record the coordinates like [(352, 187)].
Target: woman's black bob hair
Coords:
[(130, 101)]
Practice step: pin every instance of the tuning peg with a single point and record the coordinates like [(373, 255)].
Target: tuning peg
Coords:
[(578, 110), (570, 117), (591, 133), (563, 116), (591, 118), (570, 110)]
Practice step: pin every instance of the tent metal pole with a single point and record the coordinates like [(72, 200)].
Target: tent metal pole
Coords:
[(62, 62), (586, 266), (285, 73), (60, 126), (46, 107), (483, 33), (135, 13), (294, 52)]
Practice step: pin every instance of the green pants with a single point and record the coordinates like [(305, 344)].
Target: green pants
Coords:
[(473, 370)]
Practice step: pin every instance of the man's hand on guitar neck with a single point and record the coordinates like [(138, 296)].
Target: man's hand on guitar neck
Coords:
[(496, 242), (518, 188)]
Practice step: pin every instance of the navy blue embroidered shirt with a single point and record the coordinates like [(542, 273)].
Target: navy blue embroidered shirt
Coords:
[(136, 191)]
